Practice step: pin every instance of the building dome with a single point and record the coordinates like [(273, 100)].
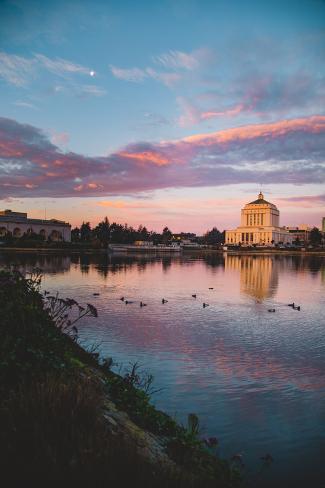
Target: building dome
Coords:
[(260, 201)]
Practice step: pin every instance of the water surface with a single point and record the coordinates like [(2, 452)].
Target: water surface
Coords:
[(256, 379)]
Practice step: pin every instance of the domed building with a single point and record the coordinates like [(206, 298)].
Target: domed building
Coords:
[(260, 224)]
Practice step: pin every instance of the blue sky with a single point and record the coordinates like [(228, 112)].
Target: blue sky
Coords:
[(113, 89)]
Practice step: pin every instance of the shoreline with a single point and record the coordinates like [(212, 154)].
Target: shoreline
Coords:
[(245, 252)]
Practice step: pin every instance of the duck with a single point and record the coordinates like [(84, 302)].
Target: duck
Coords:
[(205, 305), (127, 302), (291, 304), (122, 299), (163, 301), (96, 294), (143, 304), (194, 296), (211, 288), (271, 310), (297, 308)]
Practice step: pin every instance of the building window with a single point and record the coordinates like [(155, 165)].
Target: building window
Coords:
[(262, 219)]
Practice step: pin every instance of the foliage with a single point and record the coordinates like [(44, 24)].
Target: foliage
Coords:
[(59, 310), (213, 237), (315, 236), (85, 231), (75, 234), (140, 379), (105, 233), (193, 424), (166, 235), (32, 342), (56, 436), (102, 232)]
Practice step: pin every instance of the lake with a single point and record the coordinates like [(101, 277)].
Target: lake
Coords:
[(255, 378)]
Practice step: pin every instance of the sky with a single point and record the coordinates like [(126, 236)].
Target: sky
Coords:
[(169, 112)]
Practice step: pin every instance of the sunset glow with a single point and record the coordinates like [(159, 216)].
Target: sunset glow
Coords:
[(160, 127)]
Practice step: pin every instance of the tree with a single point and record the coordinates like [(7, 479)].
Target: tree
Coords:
[(116, 231), (166, 235), (143, 234), (315, 236), (75, 234), (85, 232), (213, 237), (102, 232)]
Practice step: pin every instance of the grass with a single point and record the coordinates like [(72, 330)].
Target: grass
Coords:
[(53, 396)]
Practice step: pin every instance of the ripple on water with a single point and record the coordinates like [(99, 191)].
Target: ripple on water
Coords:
[(257, 379)]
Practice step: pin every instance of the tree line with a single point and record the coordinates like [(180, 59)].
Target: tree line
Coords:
[(106, 232)]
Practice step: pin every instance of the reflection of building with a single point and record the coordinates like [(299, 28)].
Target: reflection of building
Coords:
[(18, 224), (47, 264), (259, 225), (258, 274)]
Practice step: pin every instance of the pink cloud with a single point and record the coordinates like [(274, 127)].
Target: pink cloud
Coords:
[(286, 151), (151, 157), (192, 115)]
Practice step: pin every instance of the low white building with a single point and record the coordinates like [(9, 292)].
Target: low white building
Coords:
[(18, 224), (260, 224)]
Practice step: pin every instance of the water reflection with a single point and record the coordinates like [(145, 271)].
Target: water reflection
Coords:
[(258, 274), (253, 377), (26, 262)]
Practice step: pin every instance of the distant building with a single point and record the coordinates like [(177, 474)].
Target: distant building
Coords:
[(19, 224), (188, 236), (260, 224), (323, 224), (300, 234)]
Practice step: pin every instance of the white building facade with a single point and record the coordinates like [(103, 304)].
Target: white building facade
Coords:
[(18, 224), (260, 225)]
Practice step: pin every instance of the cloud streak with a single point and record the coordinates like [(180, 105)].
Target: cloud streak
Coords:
[(306, 201), (287, 151), (20, 71), (175, 62), (137, 75), (61, 67), (16, 70), (179, 60)]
